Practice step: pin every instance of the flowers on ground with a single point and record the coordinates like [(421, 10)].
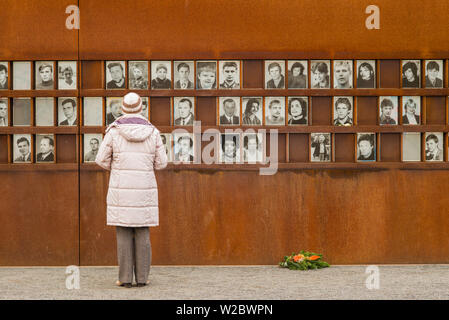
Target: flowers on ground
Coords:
[(303, 261)]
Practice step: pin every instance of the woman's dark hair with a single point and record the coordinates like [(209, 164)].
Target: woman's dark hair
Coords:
[(303, 104), (321, 67), (369, 67), (412, 66), (249, 136), (298, 65), (366, 137), (224, 139), (249, 105)]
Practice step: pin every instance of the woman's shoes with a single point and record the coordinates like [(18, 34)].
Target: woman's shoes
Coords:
[(139, 284), (122, 284)]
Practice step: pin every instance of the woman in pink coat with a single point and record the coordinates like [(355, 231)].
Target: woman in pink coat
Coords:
[(131, 149)]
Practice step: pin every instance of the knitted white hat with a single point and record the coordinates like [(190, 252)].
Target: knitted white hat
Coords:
[(132, 103)]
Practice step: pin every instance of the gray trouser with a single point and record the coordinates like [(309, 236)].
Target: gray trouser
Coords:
[(133, 253)]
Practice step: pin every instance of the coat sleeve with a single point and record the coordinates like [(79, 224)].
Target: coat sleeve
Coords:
[(104, 155), (160, 158)]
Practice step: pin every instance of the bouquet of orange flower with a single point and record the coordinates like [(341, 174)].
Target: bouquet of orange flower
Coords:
[(304, 261)]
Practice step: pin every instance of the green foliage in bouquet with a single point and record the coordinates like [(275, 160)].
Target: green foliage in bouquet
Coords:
[(303, 260)]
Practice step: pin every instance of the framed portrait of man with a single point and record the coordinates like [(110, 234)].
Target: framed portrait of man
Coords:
[(44, 75), (4, 83), (167, 141), (113, 109), (320, 74), (434, 146), (343, 111), (45, 115), (343, 74), (434, 73), (115, 75), (366, 74), (366, 147), (229, 74), (388, 110), (253, 147), (22, 148), (411, 146), (252, 111), (67, 75), (93, 111), (274, 111), (91, 144), (183, 147), (411, 110), (297, 110), (21, 112), (411, 73), (161, 75), (67, 111), (183, 111), (184, 74), (230, 150), (274, 74), (145, 108), (21, 75), (297, 74), (320, 147), (229, 111), (206, 75), (45, 148), (4, 115), (138, 75)]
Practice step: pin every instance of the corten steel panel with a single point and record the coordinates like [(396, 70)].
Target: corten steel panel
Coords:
[(36, 30), (390, 147), (261, 28), (435, 110), (39, 218), (244, 218), (367, 111), (344, 147)]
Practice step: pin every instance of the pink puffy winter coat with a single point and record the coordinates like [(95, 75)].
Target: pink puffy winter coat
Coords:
[(132, 148)]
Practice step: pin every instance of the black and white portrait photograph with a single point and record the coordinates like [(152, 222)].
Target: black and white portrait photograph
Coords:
[(275, 111), (411, 74), (167, 141), (21, 79), (411, 146), (145, 108), (388, 110), (297, 110), (44, 113), (113, 109), (4, 122), (183, 111), (21, 114), (434, 74), (44, 75), (343, 111), (274, 74), (22, 148), (229, 111), (229, 74), (67, 76), (138, 75), (160, 74), (434, 146), (229, 148), (3, 75), (115, 75), (297, 74), (253, 147), (206, 75), (366, 74), (320, 74), (252, 111), (366, 147), (45, 148), (91, 143), (411, 110), (343, 74), (67, 111), (320, 147), (93, 111), (183, 147), (184, 74)]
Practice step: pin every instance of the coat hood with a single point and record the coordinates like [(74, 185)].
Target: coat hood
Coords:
[(133, 128)]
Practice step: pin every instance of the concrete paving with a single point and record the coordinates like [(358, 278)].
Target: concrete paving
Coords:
[(231, 282)]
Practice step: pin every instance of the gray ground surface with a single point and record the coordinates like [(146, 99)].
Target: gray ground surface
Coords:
[(231, 282)]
